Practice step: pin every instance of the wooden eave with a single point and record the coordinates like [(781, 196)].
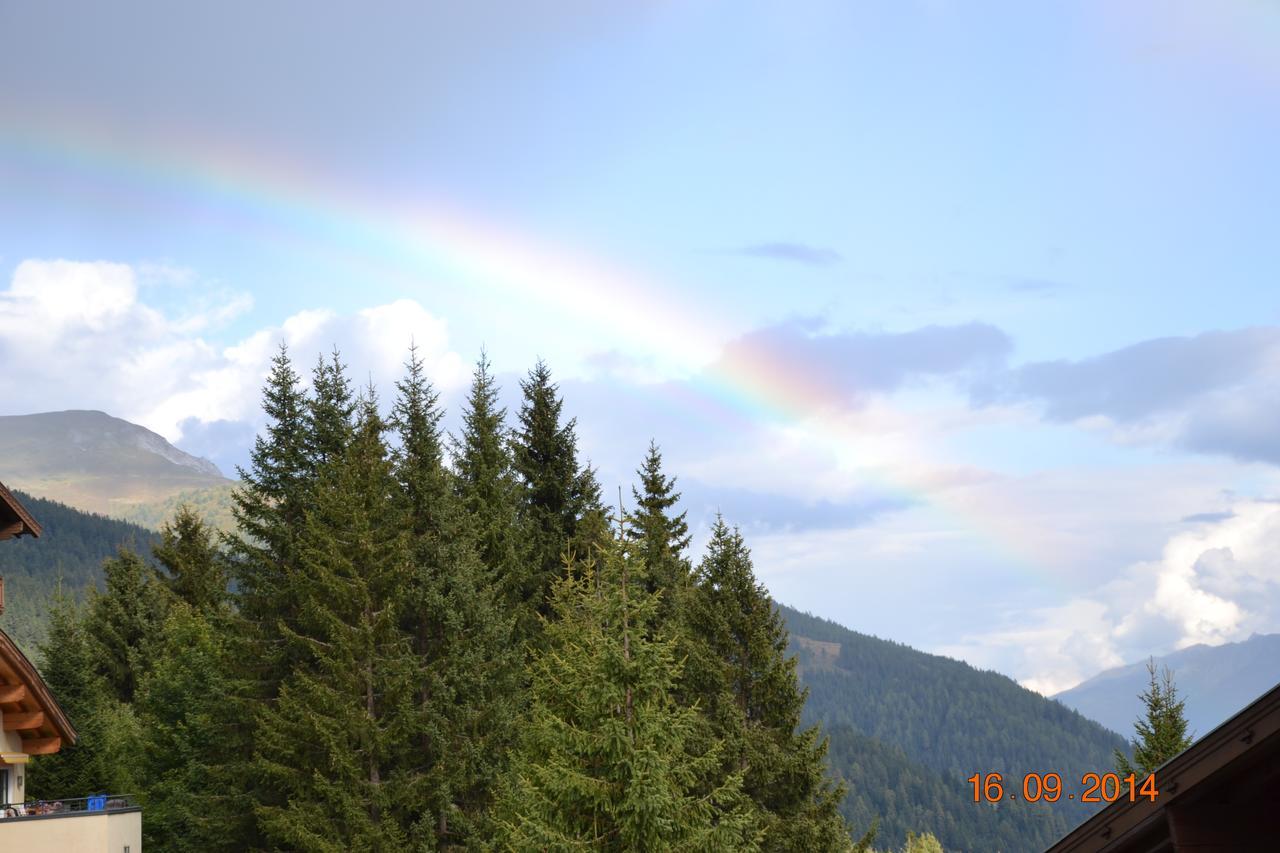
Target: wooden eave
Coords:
[(25, 701), (14, 518), (1245, 747)]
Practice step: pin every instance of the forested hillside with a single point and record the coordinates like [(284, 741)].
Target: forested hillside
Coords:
[(907, 728), (70, 551)]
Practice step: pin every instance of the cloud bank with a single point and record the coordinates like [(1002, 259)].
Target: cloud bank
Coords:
[(1217, 392), (79, 336)]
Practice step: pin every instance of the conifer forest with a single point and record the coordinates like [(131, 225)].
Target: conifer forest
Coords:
[(416, 640)]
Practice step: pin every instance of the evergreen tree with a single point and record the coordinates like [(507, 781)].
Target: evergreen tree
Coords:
[(605, 760), (922, 843), (329, 411), (269, 509), (486, 482), (194, 572), (591, 531), (545, 457), (739, 671), (335, 745), (1162, 734), (100, 760), (657, 535), (469, 668), (122, 623), (193, 719)]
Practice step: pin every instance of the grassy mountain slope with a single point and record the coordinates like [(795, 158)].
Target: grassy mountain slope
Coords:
[(97, 463), (1216, 681), (907, 728), (70, 550)]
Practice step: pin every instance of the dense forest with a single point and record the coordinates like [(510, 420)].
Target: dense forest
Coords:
[(412, 640), (68, 554), (907, 728)]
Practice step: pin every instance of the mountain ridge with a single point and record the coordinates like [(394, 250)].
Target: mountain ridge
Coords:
[(102, 464), (1215, 681)]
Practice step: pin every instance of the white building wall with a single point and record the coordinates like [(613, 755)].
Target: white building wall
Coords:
[(12, 757)]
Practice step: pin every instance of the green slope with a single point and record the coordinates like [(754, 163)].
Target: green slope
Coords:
[(70, 550), (98, 463), (907, 729)]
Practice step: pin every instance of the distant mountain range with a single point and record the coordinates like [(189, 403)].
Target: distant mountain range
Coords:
[(1216, 681), (98, 463)]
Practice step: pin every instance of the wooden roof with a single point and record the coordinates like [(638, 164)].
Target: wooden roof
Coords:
[(28, 706), (14, 518), (1220, 794)]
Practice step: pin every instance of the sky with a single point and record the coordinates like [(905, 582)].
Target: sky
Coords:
[(966, 313)]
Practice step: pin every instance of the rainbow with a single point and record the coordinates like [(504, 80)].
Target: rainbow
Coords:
[(404, 242)]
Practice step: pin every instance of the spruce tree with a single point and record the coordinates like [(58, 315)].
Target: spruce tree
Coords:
[(486, 483), (330, 410), (657, 534), (1162, 731), (100, 760), (739, 671), (194, 573), (591, 531), (459, 633), (336, 745), (123, 622), (545, 457), (194, 729), (269, 509), (606, 759)]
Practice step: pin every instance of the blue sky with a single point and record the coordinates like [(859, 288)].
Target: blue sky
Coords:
[(1019, 259)]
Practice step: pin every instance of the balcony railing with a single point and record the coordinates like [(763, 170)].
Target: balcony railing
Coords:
[(75, 807)]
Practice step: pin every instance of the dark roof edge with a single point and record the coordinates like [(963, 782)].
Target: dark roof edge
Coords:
[(33, 527), (1136, 816), (26, 670)]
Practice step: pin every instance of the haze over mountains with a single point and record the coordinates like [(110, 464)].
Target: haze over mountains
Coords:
[(99, 463), (1215, 681)]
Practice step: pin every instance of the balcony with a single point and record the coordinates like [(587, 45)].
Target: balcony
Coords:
[(107, 823)]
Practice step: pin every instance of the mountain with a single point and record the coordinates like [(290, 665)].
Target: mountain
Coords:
[(1216, 681), (70, 551), (98, 463), (907, 729)]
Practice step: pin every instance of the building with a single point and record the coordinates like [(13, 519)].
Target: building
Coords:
[(1221, 794), (33, 724)]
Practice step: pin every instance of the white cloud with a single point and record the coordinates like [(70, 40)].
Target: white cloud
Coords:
[(78, 335), (1216, 583)]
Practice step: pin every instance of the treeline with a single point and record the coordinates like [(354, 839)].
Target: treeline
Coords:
[(413, 641)]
